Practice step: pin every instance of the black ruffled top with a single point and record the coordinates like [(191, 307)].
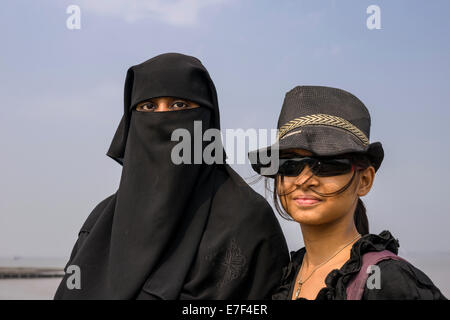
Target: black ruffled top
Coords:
[(399, 279)]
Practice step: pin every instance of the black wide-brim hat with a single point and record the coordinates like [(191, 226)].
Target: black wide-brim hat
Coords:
[(325, 121)]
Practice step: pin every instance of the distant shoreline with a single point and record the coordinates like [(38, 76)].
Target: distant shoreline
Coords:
[(27, 272)]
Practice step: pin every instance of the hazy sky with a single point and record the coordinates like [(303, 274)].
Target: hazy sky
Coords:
[(62, 95)]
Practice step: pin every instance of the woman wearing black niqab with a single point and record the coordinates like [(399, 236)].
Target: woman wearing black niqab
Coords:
[(187, 231)]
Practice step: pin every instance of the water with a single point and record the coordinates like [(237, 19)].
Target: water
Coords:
[(435, 265), (34, 288)]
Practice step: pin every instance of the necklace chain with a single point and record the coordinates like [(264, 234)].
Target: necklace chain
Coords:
[(300, 282)]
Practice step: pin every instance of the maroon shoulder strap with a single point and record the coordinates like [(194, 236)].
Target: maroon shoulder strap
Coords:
[(355, 287)]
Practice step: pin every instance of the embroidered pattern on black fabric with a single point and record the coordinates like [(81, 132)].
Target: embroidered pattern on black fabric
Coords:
[(231, 263)]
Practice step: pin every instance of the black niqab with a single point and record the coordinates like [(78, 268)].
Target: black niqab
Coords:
[(150, 239)]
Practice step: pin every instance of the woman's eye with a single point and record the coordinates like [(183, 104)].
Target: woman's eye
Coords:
[(180, 104), (148, 106)]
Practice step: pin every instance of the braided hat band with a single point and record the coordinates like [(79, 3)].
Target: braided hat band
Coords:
[(322, 119)]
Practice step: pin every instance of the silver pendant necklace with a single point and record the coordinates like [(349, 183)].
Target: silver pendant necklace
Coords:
[(300, 282)]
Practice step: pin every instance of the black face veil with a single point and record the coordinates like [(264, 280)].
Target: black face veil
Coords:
[(148, 233)]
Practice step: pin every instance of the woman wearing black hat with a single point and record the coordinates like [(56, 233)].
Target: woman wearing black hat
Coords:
[(325, 165), (174, 231)]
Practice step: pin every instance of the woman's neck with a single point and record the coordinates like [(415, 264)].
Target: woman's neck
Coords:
[(321, 242)]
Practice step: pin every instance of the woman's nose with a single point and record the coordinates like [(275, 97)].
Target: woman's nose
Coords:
[(162, 107), (306, 177)]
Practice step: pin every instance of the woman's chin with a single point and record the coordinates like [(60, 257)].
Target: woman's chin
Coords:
[(308, 217)]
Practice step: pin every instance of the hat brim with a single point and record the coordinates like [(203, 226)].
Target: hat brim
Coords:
[(320, 141)]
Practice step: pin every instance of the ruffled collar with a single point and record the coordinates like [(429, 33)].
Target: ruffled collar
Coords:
[(337, 279)]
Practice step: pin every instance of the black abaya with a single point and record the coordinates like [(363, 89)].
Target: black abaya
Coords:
[(187, 231)]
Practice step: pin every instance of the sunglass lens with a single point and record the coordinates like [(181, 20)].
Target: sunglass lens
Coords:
[(333, 167), (291, 168)]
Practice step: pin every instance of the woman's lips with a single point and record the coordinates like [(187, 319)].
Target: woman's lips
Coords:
[(306, 201)]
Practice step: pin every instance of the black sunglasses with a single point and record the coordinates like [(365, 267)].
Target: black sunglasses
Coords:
[(321, 167)]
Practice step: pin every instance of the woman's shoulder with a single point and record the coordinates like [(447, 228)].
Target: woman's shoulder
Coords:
[(395, 278), (243, 205), (95, 213), (401, 280)]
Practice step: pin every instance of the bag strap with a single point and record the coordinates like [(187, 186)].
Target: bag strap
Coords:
[(355, 288)]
